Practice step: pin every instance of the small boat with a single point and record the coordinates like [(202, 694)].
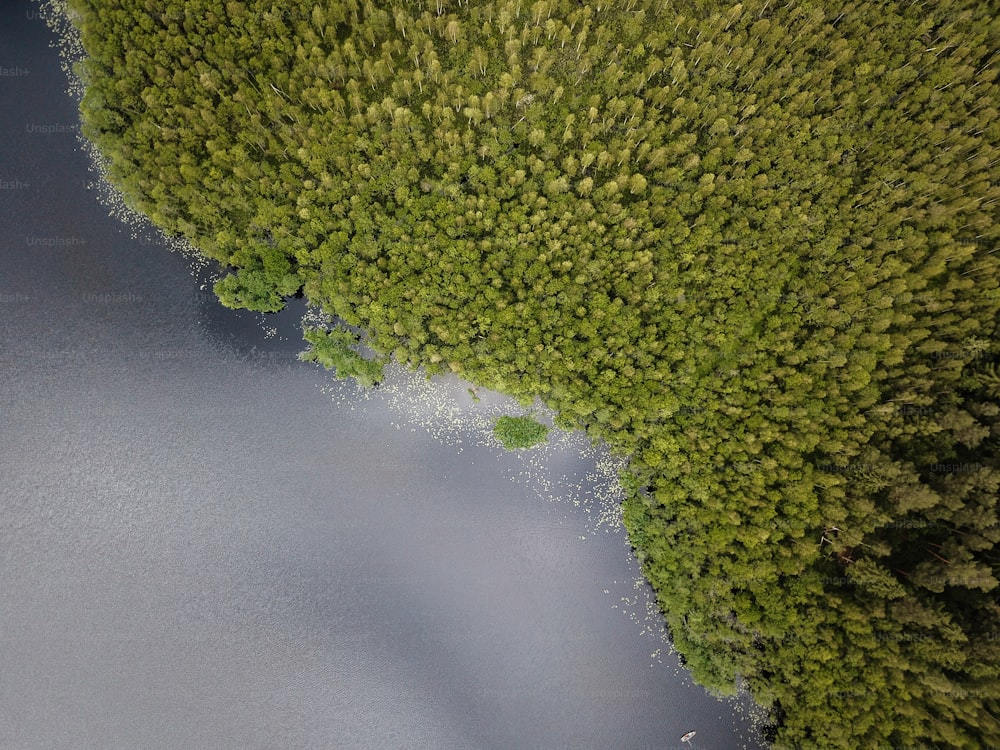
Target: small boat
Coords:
[(688, 736)]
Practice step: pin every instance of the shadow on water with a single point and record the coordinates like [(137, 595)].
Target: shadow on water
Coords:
[(275, 337)]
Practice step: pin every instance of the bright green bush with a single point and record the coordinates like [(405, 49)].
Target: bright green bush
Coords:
[(519, 432), (334, 349)]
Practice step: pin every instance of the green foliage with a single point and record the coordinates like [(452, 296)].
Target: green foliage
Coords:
[(751, 246), (519, 432), (249, 289), (334, 349)]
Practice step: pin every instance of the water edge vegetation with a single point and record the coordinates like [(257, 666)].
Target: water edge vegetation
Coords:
[(752, 246)]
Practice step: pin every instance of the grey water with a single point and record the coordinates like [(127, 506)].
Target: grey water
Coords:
[(200, 547)]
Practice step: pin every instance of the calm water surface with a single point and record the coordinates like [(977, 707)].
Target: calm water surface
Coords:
[(202, 548)]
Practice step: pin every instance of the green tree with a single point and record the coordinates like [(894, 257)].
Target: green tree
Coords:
[(334, 349)]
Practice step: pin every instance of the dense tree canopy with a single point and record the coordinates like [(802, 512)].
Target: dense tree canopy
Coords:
[(752, 246)]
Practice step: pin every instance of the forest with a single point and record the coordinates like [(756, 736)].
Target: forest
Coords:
[(753, 247)]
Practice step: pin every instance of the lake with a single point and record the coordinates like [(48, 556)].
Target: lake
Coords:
[(205, 543)]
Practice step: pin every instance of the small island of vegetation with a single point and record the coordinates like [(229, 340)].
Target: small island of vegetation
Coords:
[(753, 246), (519, 432)]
